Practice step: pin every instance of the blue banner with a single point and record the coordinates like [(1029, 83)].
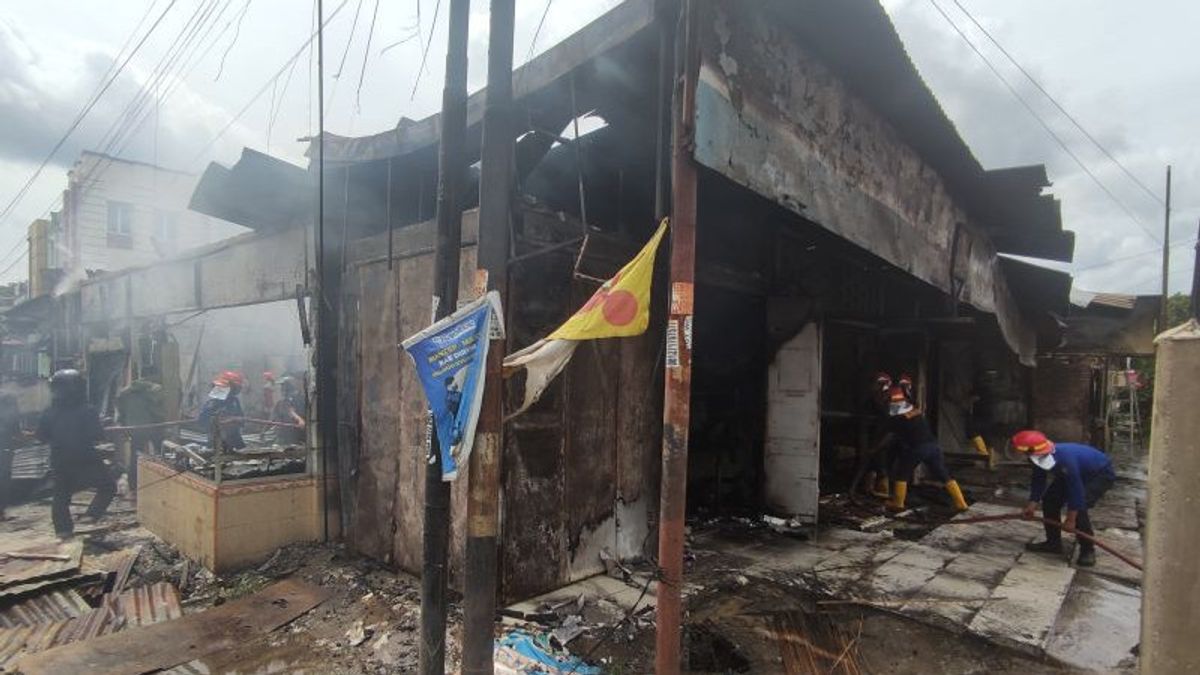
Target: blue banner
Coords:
[(450, 357)]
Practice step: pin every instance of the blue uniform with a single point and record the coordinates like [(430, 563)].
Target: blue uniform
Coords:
[(1082, 474), (1077, 465)]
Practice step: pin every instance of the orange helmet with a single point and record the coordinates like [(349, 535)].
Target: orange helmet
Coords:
[(1033, 442), (229, 378)]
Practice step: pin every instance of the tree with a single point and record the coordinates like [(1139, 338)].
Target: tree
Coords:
[(1179, 309)]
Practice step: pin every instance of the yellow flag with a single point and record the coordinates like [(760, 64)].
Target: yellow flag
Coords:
[(621, 307)]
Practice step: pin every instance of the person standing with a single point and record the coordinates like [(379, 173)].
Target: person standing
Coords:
[(289, 411), (72, 428), (223, 402), (141, 404), (1082, 474)]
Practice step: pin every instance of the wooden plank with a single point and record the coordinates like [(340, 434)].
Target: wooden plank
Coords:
[(383, 433), (167, 644)]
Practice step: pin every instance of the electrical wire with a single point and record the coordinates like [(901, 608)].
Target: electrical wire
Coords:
[(83, 113), (237, 32), (1058, 105), (1133, 256), (135, 113), (425, 51), (362, 73), (262, 90), (350, 40), (1049, 130)]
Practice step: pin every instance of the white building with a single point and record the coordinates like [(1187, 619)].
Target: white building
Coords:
[(120, 213)]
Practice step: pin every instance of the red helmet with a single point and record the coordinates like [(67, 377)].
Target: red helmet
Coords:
[(1033, 442), (229, 378), (268, 376), (883, 380), (905, 380)]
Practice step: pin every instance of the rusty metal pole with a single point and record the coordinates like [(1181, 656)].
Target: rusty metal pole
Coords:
[(495, 212), (452, 170), (678, 352)]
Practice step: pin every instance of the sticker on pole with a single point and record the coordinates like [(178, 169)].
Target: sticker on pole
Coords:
[(672, 351), (450, 357)]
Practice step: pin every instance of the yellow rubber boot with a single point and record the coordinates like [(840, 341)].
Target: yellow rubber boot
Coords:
[(899, 493), (956, 495), (980, 446), (881, 487)]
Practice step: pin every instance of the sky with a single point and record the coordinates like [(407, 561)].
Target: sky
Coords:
[(1119, 68)]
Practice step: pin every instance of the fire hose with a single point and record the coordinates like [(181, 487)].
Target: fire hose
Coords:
[(1052, 523), (224, 420)]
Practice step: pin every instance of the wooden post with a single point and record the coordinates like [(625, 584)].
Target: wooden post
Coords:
[(678, 351), (452, 168), (495, 206)]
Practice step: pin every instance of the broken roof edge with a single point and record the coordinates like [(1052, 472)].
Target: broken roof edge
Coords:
[(609, 30), (259, 191)]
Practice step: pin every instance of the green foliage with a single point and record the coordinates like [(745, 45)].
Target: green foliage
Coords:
[(1179, 308)]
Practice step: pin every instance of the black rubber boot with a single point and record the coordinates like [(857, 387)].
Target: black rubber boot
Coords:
[(1048, 546), (1087, 558)]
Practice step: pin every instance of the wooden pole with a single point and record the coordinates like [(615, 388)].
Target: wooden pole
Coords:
[(495, 213), (452, 169), (678, 352)]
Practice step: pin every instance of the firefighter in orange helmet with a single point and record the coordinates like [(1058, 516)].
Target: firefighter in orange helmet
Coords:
[(915, 444), (1082, 474)]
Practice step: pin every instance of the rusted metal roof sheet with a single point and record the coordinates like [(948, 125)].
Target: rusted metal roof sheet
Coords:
[(49, 607), (15, 569), (22, 640), (148, 605)]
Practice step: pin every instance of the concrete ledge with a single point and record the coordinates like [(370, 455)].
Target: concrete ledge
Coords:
[(230, 525)]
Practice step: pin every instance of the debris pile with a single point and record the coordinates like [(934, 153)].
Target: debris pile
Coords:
[(51, 595)]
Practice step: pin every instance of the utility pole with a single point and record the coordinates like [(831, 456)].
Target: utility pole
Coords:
[(1166, 256), (452, 169), (1195, 297), (495, 213), (677, 390)]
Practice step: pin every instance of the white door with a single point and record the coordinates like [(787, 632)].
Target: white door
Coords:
[(792, 456)]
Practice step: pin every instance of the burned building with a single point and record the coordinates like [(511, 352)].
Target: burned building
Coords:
[(844, 228)]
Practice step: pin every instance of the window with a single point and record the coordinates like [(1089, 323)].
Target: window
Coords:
[(120, 225), (166, 232)]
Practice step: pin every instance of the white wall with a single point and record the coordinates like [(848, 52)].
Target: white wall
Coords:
[(96, 180)]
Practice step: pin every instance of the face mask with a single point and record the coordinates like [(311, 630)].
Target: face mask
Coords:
[(1043, 461)]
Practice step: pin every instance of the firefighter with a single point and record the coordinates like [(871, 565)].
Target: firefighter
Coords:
[(223, 401), (873, 465), (1082, 474), (916, 444), (72, 428), (142, 404)]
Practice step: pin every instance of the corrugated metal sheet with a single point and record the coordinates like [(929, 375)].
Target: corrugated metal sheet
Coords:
[(16, 642), (16, 570), (1117, 300), (148, 605), (32, 463), (54, 605)]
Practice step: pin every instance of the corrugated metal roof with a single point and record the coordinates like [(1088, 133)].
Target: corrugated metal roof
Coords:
[(31, 463), (148, 605), (16, 642), (1118, 300), (54, 605)]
